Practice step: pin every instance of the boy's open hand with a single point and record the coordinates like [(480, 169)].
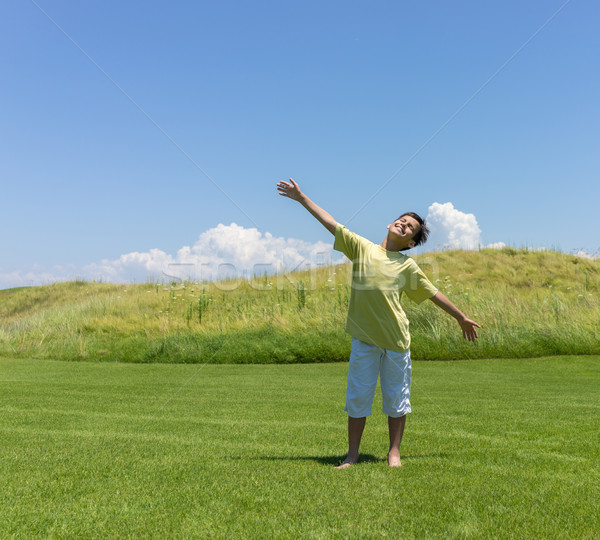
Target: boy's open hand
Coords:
[(289, 190), (468, 329)]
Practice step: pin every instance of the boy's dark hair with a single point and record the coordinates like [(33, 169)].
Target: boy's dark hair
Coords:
[(421, 235)]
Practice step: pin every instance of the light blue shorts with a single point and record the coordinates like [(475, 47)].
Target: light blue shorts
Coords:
[(367, 362)]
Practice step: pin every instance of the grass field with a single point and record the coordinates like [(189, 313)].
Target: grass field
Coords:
[(494, 449)]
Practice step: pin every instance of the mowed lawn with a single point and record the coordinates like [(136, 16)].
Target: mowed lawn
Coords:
[(494, 448)]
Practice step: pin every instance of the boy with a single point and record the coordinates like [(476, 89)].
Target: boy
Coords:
[(376, 321)]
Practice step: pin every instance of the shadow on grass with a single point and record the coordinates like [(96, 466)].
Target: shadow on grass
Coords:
[(323, 460), (337, 460)]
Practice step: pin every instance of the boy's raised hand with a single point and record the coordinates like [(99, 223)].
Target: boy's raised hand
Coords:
[(289, 190), (292, 190)]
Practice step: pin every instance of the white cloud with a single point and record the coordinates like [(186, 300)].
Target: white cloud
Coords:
[(451, 228), (496, 245), (23, 278), (225, 251), (585, 255), (133, 266)]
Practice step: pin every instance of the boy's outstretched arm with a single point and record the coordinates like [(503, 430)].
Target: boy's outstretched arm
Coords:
[(467, 325), (292, 190)]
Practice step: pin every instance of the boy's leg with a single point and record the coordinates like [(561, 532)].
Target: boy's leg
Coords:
[(355, 431), (363, 370), (395, 389), (396, 428)]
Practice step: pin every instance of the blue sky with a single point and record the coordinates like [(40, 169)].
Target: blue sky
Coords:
[(136, 126)]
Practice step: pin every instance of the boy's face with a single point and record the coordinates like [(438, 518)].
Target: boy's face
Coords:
[(403, 230)]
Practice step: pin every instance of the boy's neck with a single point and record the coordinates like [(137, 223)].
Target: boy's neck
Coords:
[(390, 244)]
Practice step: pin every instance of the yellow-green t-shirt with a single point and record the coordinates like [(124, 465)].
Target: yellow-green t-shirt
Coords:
[(379, 277)]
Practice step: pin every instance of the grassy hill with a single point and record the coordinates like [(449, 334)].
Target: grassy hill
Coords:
[(529, 304)]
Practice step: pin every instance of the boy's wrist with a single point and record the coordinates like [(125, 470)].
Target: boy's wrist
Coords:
[(460, 317)]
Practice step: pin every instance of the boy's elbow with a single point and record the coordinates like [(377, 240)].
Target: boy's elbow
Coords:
[(437, 299)]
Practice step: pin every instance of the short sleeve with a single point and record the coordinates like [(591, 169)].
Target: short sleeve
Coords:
[(346, 242), (419, 288)]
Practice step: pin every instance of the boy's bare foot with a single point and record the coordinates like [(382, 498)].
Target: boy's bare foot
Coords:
[(394, 459), (347, 462)]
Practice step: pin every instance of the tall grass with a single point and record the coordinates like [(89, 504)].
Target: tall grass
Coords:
[(528, 303)]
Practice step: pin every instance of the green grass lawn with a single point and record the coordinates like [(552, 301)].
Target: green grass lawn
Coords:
[(495, 448)]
